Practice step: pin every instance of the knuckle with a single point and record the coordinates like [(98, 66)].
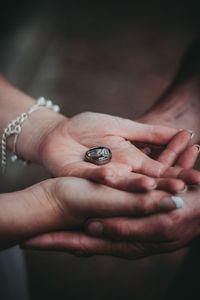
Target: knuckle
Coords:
[(148, 204), (161, 169), (169, 224), (173, 219), (131, 251), (123, 230), (176, 184), (106, 172), (82, 250), (143, 206), (144, 182)]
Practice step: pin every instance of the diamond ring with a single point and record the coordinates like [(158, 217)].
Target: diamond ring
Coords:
[(98, 155)]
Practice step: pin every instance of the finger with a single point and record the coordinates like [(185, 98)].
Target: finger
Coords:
[(82, 245), (139, 132), (108, 202), (189, 176), (153, 168), (103, 201), (153, 228), (128, 181), (88, 171), (188, 158), (146, 150), (134, 182), (109, 175), (155, 150), (135, 160), (141, 163), (176, 146), (172, 185), (77, 243)]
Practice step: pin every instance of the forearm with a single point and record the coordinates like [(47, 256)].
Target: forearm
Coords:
[(179, 106), (13, 103), (24, 214)]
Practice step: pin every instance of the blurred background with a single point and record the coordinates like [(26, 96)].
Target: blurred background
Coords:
[(102, 56)]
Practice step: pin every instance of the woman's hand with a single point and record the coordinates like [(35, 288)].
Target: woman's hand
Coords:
[(60, 145), (62, 153), (131, 237), (66, 203), (128, 237)]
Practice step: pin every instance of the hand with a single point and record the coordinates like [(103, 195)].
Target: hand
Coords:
[(67, 203), (62, 152), (130, 237), (158, 233)]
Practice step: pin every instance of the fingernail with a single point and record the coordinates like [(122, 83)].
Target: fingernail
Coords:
[(191, 132), (178, 201), (152, 187), (198, 147), (95, 228), (147, 150), (170, 203), (184, 190)]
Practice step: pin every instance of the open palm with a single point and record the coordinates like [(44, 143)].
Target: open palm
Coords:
[(63, 152)]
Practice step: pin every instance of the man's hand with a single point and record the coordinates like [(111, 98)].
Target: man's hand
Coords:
[(179, 105)]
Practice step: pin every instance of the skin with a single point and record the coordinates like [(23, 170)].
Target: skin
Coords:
[(43, 140), (67, 203), (45, 131), (130, 237), (74, 137), (135, 238), (179, 106)]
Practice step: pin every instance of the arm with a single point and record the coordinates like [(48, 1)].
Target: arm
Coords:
[(60, 143), (13, 103), (179, 106), (66, 203), (24, 214)]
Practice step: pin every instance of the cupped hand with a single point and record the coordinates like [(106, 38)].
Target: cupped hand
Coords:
[(76, 199), (127, 237), (130, 237), (67, 203), (63, 150), (154, 234)]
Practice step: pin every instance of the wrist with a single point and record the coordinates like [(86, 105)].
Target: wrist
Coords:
[(13, 103), (34, 131), (26, 213), (178, 108)]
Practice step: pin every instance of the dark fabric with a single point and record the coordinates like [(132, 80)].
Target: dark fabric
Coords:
[(13, 279)]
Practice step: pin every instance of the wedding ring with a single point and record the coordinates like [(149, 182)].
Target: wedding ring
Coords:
[(98, 155)]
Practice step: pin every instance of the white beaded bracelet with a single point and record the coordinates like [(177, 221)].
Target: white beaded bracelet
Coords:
[(15, 127)]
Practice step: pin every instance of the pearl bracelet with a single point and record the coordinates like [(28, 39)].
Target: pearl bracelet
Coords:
[(15, 127)]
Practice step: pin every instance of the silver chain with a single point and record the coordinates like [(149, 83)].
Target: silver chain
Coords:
[(15, 127)]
